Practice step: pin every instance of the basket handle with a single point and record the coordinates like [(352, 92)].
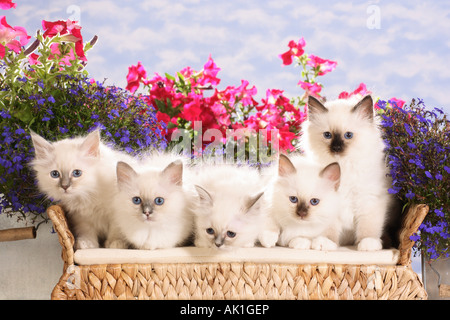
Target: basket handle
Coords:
[(411, 222), (65, 236)]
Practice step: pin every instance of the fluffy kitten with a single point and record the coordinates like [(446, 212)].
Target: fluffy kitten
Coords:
[(305, 204), (229, 212), (346, 131), (151, 208), (78, 174)]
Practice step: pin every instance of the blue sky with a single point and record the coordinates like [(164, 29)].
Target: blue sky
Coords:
[(399, 49)]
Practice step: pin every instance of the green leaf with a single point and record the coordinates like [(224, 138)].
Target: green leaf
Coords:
[(168, 76)]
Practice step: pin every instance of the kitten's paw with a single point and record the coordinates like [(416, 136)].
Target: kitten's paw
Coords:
[(300, 243), (116, 244), (323, 243), (83, 243), (268, 239), (370, 244)]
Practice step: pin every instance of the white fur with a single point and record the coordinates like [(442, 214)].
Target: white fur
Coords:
[(305, 183), (169, 224), (224, 194), (84, 200), (364, 181)]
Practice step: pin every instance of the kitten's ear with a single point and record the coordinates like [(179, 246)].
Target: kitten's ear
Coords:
[(252, 200), (204, 195), (174, 172), (125, 174), (332, 172), (365, 107), (315, 106), (285, 166), (41, 146), (91, 144)]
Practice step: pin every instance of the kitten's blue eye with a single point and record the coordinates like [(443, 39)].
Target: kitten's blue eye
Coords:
[(293, 199), (77, 173), (314, 201), (210, 231), (136, 200), (327, 135), (159, 201), (231, 234), (348, 135), (54, 174)]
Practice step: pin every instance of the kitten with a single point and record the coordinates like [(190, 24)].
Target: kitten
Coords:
[(229, 212), (346, 131), (151, 208), (78, 174), (305, 204)]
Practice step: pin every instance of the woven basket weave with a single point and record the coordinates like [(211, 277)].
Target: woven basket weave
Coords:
[(243, 280)]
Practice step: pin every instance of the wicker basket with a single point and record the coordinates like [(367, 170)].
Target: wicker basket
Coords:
[(239, 280)]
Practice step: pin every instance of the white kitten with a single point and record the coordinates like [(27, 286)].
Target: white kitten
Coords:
[(151, 208), (305, 204), (229, 212), (346, 131), (79, 174)]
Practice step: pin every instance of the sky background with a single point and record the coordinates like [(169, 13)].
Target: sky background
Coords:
[(399, 49)]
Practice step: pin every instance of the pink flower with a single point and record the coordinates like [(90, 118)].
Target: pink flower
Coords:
[(220, 112), (7, 4), (295, 50), (310, 88), (69, 30), (33, 59), (210, 71), (64, 60), (192, 110), (398, 102), (233, 95), (361, 90), (135, 75), (8, 37), (324, 66)]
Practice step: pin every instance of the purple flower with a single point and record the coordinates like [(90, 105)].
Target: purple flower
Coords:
[(439, 212), (409, 194), (428, 174), (411, 145), (392, 191), (408, 129)]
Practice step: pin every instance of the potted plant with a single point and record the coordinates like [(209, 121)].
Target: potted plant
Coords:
[(45, 88), (418, 152)]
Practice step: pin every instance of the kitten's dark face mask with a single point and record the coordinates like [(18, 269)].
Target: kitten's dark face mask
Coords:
[(337, 142)]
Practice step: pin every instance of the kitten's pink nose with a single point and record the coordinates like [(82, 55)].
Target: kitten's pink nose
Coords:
[(65, 186), (302, 214)]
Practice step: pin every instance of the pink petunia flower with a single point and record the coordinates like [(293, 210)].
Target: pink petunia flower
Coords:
[(135, 75), (324, 65), (398, 102), (9, 35), (69, 30), (361, 90), (33, 59), (210, 71), (311, 88), (7, 4), (295, 50)]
